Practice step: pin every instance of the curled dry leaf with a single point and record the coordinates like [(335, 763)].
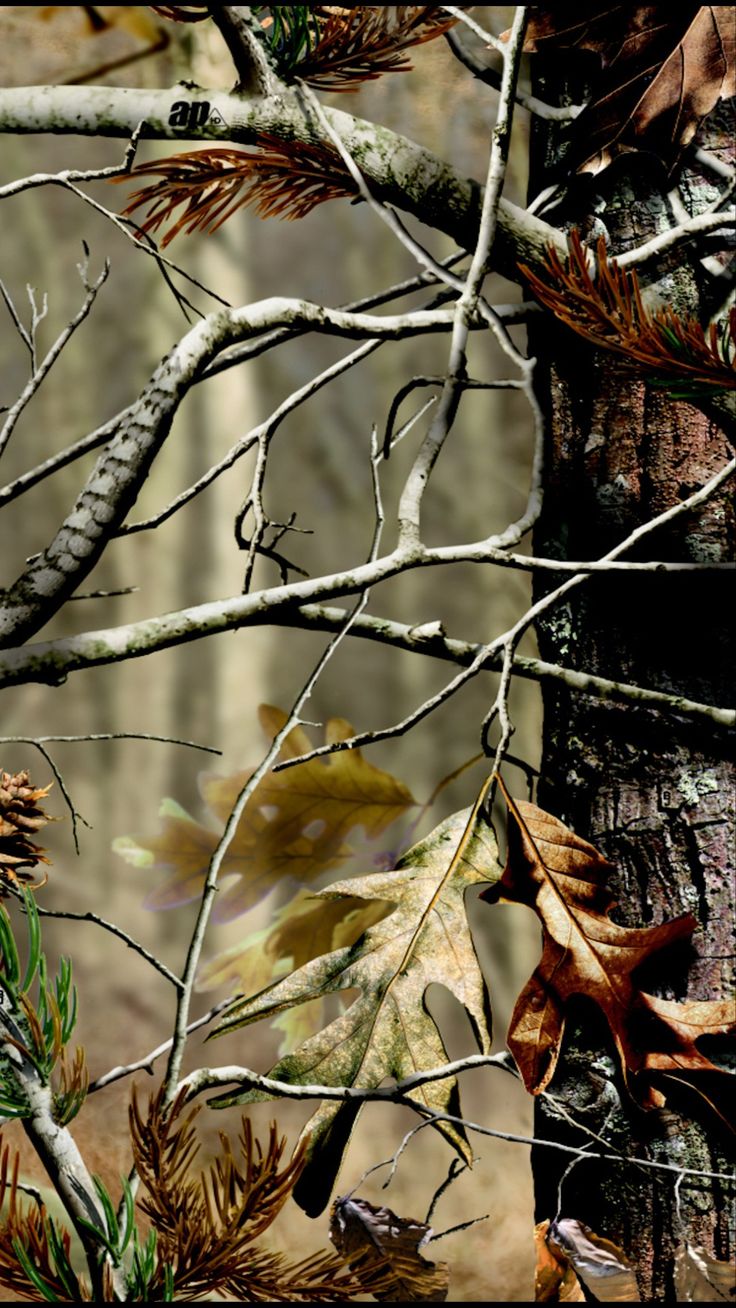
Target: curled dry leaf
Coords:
[(555, 1280), (603, 1267), (376, 1237), (664, 68), (568, 1252), (387, 1030), (296, 825), (563, 878)]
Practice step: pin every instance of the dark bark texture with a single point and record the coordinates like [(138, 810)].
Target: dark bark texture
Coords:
[(653, 793)]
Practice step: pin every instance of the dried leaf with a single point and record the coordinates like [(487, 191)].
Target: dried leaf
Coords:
[(284, 179), (387, 1031), (299, 931), (562, 877), (607, 309), (604, 1268), (664, 70), (555, 1280), (702, 1279), (297, 824), (380, 1239)]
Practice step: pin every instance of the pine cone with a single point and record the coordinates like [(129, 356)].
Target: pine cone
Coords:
[(20, 818)]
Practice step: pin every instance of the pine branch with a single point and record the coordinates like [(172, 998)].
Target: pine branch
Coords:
[(606, 308), (34, 1254), (360, 44), (283, 179), (208, 1226)]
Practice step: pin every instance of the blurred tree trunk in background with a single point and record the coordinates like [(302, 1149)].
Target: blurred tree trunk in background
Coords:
[(654, 794), (209, 690)]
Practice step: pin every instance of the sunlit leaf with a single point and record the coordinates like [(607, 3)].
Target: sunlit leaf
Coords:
[(299, 931), (387, 1030)]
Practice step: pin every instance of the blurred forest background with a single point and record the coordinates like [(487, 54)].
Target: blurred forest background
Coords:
[(209, 691)]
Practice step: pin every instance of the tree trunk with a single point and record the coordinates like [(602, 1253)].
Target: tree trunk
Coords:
[(654, 794)]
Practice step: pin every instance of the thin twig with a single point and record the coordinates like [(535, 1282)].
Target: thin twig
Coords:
[(40, 743), (43, 369), (492, 77), (146, 1064), (207, 1078), (115, 930), (467, 305), (701, 225), (126, 226), (173, 1067)]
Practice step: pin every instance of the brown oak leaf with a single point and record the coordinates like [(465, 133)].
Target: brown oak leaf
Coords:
[(563, 878), (664, 68)]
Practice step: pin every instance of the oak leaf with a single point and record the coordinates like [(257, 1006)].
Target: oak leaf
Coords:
[(298, 932), (380, 1239), (297, 824), (387, 1030), (563, 878), (663, 70)]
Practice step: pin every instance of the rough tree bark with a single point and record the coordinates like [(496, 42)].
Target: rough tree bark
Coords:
[(656, 796)]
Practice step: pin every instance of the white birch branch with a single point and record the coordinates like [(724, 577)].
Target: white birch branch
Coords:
[(406, 175)]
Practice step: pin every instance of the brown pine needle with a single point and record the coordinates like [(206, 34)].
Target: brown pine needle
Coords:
[(285, 179), (606, 308)]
